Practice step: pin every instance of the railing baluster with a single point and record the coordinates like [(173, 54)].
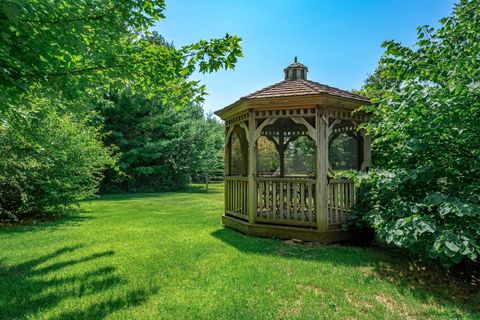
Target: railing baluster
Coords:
[(288, 204), (274, 199), (330, 203), (347, 202), (267, 198), (238, 197), (339, 201), (261, 198), (310, 202), (235, 193), (302, 201), (245, 200), (232, 194), (339, 197), (334, 207), (243, 196), (280, 200), (242, 183), (295, 201), (239, 191)]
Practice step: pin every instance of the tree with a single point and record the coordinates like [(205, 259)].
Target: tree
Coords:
[(212, 154), (60, 59), (80, 47), (159, 145), (426, 110)]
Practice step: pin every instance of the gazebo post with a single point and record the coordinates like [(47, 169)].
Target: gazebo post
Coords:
[(227, 151), (252, 168), (281, 154), (321, 170)]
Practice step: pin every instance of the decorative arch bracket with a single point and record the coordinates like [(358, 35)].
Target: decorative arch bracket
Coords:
[(229, 133), (265, 123), (311, 130)]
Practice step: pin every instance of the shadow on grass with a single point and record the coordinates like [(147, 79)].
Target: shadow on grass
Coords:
[(388, 264), (28, 289), (55, 222)]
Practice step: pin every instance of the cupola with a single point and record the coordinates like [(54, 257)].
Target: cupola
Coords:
[(296, 71)]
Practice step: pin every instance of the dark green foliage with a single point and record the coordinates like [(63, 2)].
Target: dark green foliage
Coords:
[(211, 156), (432, 224), (343, 152), (81, 47), (300, 156), (58, 59), (50, 161), (426, 128), (160, 146)]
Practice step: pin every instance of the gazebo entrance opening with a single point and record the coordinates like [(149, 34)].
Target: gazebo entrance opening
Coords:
[(285, 187), (282, 154)]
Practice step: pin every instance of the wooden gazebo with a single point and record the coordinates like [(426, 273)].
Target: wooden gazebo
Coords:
[(285, 148)]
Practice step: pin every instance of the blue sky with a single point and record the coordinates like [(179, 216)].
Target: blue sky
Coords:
[(339, 40)]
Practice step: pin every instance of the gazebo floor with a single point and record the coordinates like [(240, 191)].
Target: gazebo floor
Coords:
[(290, 232)]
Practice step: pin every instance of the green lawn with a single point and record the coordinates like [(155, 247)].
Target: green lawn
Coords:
[(167, 255)]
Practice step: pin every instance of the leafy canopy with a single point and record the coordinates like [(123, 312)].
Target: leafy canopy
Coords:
[(59, 60), (78, 48), (426, 128)]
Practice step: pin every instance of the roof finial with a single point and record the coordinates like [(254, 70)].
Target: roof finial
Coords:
[(295, 60)]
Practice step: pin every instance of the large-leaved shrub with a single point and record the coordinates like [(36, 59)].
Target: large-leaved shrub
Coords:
[(426, 129), (425, 220)]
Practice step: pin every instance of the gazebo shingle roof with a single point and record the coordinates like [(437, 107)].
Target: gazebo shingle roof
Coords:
[(296, 64), (295, 84), (302, 88)]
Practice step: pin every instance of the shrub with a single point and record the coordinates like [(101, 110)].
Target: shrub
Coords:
[(424, 220), (50, 161), (426, 106)]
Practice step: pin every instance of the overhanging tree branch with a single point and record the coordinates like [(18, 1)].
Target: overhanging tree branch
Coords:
[(106, 13)]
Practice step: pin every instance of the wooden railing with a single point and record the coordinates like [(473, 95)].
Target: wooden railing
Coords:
[(236, 195), (289, 201), (341, 198)]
